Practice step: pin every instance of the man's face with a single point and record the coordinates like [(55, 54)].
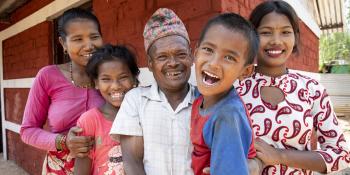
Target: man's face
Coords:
[(170, 62)]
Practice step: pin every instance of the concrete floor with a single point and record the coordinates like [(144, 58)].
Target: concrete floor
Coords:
[(10, 168)]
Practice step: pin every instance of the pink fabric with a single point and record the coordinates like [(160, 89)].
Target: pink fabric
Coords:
[(106, 155), (56, 100)]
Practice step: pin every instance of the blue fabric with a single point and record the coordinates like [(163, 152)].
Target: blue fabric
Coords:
[(228, 134)]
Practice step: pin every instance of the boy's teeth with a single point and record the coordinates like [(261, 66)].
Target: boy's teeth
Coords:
[(209, 78), (211, 75)]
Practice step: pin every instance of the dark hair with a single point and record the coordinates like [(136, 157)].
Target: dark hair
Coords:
[(236, 23), (109, 53), (279, 7), (73, 14)]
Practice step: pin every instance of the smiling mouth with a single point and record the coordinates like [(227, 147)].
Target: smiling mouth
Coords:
[(173, 74), (117, 95), (274, 53), (87, 55), (210, 79)]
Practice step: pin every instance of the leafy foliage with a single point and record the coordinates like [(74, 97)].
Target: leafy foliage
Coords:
[(334, 46)]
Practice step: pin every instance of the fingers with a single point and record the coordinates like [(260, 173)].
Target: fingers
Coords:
[(84, 140), (79, 146), (206, 170), (259, 155), (75, 130), (258, 146), (82, 155)]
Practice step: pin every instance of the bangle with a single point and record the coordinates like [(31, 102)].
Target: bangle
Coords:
[(61, 142), (57, 142)]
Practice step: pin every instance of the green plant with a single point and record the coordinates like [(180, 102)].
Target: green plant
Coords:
[(334, 46)]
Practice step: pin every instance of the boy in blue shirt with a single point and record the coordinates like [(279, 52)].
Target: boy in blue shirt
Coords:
[(220, 127)]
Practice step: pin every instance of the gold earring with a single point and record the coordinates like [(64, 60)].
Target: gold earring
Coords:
[(134, 86)]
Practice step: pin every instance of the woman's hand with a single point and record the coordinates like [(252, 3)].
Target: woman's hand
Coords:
[(79, 146), (266, 153)]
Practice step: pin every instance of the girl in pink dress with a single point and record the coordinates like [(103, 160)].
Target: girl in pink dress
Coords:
[(286, 106), (114, 72), (61, 93)]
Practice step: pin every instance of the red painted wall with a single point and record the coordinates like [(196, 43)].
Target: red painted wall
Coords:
[(122, 22), (25, 53), (15, 101)]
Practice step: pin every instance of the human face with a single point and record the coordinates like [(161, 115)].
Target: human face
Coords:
[(276, 40), (114, 80), (220, 59), (170, 62), (81, 40)]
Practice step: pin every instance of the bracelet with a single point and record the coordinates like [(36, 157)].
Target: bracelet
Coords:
[(61, 142), (57, 142)]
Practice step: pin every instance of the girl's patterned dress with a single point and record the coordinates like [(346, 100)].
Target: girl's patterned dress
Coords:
[(289, 124)]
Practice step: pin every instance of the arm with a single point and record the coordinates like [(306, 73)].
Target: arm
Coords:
[(132, 150), (294, 158), (87, 126), (333, 147), (35, 116), (255, 166), (127, 130), (82, 166), (229, 138)]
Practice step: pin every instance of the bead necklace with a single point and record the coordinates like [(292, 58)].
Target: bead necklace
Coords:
[(87, 85)]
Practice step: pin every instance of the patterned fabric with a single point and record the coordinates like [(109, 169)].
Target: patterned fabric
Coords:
[(221, 136), (58, 163), (289, 124), (106, 154), (163, 22), (145, 111)]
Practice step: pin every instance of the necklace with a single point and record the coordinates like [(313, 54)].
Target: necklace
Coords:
[(87, 85)]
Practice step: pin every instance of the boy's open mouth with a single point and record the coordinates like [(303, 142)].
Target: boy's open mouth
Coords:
[(209, 78)]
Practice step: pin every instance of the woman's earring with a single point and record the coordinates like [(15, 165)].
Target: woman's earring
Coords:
[(134, 86), (65, 55)]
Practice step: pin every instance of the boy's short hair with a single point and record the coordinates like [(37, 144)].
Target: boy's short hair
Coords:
[(236, 23)]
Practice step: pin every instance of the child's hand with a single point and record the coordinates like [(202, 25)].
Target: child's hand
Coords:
[(255, 166), (79, 146), (268, 154), (206, 170)]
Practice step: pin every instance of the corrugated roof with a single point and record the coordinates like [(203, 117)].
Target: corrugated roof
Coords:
[(329, 15)]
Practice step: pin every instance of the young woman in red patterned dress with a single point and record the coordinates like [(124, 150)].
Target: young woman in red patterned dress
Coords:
[(286, 106)]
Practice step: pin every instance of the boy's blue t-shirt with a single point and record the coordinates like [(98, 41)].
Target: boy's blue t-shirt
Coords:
[(221, 136)]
